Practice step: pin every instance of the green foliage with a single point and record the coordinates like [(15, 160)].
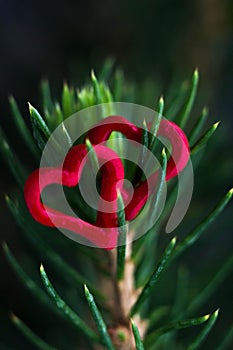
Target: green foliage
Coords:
[(162, 321), (153, 337), (192, 237), (188, 105), (41, 131), (121, 250), (12, 160), (204, 139), (196, 130), (101, 326), (204, 332), (65, 309), (147, 290), (28, 333), (27, 281), (137, 337), (156, 122), (22, 127), (92, 156)]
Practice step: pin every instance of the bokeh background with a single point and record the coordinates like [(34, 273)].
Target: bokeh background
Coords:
[(160, 41)]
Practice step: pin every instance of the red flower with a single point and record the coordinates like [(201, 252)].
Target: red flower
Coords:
[(104, 232)]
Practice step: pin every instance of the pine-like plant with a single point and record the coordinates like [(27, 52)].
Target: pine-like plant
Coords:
[(112, 299)]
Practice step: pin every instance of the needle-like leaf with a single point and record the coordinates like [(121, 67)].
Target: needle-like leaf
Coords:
[(156, 123), (41, 131), (51, 255), (145, 142), (26, 280), (185, 113), (121, 250), (58, 115), (66, 137), (153, 337), (137, 337), (22, 127), (66, 310), (204, 139), (155, 276), (67, 101), (156, 200), (93, 157), (195, 132), (100, 324), (96, 88), (204, 332), (192, 237), (142, 156)]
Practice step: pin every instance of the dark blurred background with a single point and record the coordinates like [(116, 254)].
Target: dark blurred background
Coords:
[(163, 40)]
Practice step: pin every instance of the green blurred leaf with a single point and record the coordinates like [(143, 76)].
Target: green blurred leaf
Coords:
[(41, 131), (177, 101), (145, 137), (160, 186), (122, 228), (92, 157), (137, 337), (149, 242), (68, 101), (15, 166), (147, 290), (85, 97), (96, 88), (118, 85), (107, 95), (156, 123), (66, 310), (153, 337), (204, 332), (179, 303), (142, 157), (22, 127), (185, 113), (58, 115), (227, 339), (25, 279), (107, 69), (211, 287), (30, 335), (204, 139), (156, 315), (100, 324), (46, 96), (66, 137), (60, 265), (196, 130), (192, 237)]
